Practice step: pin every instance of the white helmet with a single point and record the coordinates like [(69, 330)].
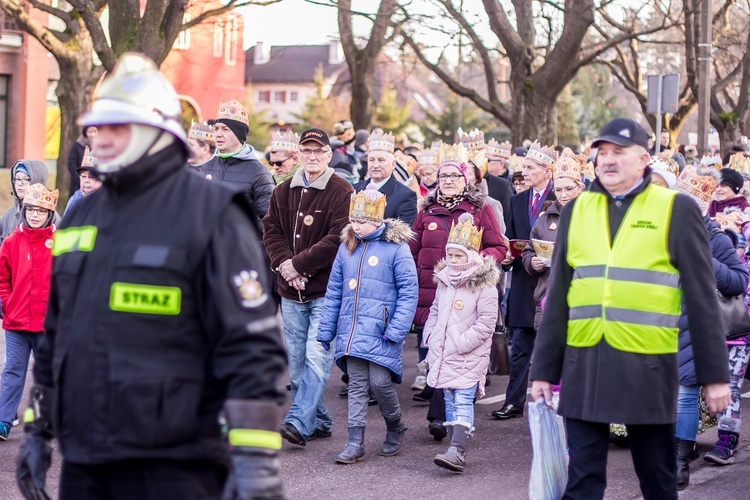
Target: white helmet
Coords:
[(136, 92)]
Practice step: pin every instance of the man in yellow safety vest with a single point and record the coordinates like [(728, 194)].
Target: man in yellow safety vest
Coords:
[(629, 255)]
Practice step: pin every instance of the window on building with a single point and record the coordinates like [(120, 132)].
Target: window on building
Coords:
[(183, 37), (264, 96), (231, 36), (4, 84), (293, 96), (218, 38), (279, 96)]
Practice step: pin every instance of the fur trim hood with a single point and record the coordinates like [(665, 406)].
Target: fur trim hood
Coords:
[(473, 196), (395, 231), (485, 275)]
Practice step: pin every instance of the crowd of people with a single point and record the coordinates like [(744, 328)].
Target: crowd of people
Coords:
[(601, 267)]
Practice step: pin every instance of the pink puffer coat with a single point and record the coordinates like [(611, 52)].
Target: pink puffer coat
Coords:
[(459, 329)]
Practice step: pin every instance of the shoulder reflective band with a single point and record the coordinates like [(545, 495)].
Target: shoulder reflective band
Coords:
[(145, 299), (72, 239), (255, 438)]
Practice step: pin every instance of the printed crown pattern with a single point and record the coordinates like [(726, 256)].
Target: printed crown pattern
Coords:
[(40, 196), (381, 142), (698, 186), (89, 160), (201, 132), (465, 234), (407, 162), (455, 153), (542, 154), (284, 141), (473, 140), (740, 163), (502, 149), (478, 159), (233, 110), (663, 161), (428, 157), (569, 165), (368, 205)]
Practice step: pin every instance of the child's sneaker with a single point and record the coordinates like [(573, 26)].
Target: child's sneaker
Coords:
[(723, 454), (5, 430)]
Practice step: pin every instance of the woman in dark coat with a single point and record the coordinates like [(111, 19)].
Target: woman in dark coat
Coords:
[(439, 210), (731, 279), (568, 185)]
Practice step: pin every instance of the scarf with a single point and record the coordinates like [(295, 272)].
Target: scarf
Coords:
[(451, 202), (716, 206), (458, 274)]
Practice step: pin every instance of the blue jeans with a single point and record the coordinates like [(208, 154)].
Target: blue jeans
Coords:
[(459, 407), (688, 413), (309, 366), (18, 346)]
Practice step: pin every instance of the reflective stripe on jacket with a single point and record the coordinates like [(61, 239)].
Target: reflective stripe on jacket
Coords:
[(626, 291)]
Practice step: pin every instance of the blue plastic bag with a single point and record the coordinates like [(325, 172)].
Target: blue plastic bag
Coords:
[(549, 465)]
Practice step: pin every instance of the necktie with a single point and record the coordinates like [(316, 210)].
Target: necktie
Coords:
[(536, 201)]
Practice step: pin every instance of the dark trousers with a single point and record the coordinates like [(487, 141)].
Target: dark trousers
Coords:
[(437, 406), (521, 348), (651, 446), (143, 480)]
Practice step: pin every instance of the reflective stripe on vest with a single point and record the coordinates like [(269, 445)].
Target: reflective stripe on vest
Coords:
[(73, 239), (145, 299), (627, 292)]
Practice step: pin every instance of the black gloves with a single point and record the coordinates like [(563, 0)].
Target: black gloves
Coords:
[(35, 456)]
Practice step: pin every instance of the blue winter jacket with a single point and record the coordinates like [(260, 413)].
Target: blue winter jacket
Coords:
[(371, 297), (731, 279)]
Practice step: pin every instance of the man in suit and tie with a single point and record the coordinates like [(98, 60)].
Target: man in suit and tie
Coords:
[(401, 201), (525, 208)]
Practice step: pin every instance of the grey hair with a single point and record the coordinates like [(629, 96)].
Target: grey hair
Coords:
[(709, 172)]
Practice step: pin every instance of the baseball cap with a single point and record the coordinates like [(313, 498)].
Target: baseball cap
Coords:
[(315, 134), (623, 132)]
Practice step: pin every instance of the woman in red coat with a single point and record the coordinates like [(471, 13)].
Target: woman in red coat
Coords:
[(25, 273), (439, 210)]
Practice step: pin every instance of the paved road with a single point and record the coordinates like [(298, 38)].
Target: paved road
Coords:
[(499, 458)]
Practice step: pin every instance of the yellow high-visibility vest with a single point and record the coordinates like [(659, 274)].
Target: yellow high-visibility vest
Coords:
[(627, 292)]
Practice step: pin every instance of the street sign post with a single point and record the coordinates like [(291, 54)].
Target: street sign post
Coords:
[(662, 97)]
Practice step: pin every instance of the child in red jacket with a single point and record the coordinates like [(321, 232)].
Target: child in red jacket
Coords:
[(25, 274)]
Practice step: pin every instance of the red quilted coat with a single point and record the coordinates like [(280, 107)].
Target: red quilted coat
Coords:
[(431, 228), (25, 274)]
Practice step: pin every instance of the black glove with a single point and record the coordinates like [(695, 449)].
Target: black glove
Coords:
[(254, 474), (35, 456)]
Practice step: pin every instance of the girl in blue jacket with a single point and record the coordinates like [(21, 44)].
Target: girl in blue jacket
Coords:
[(370, 302)]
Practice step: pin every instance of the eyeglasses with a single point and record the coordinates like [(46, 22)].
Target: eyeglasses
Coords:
[(316, 152), (36, 211), (452, 177), (278, 163), (21, 180), (568, 190)]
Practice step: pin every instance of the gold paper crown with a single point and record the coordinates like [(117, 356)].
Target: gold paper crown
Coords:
[(700, 187), (732, 220), (569, 165), (428, 157), (436, 145), (89, 160), (471, 141), (465, 234), (284, 141), (233, 110), (408, 163), (39, 196), (384, 142), (589, 170), (542, 154), (455, 153), (664, 162), (367, 205), (502, 149), (478, 159), (740, 163), (201, 132)]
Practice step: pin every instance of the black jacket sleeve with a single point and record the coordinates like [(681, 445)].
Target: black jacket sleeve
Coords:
[(551, 337), (248, 354), (691, 255), (407, 209)]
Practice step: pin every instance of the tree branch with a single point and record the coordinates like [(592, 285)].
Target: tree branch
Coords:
[(95, 29), (43, 35), (232, 4), (59, 13)]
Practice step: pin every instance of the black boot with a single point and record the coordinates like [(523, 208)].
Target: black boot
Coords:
[(355, 448), (394, 436), (437, 430), (684, 452)]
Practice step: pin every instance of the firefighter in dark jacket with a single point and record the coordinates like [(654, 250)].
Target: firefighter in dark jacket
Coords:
[(156, 327), (628, 254)]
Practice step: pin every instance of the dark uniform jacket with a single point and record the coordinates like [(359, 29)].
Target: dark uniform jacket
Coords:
[(501, 190), (521, 306), (602, 384), (158, 313), (401, 202)]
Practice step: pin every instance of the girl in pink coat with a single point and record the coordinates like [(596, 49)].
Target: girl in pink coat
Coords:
[(458, 333)]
